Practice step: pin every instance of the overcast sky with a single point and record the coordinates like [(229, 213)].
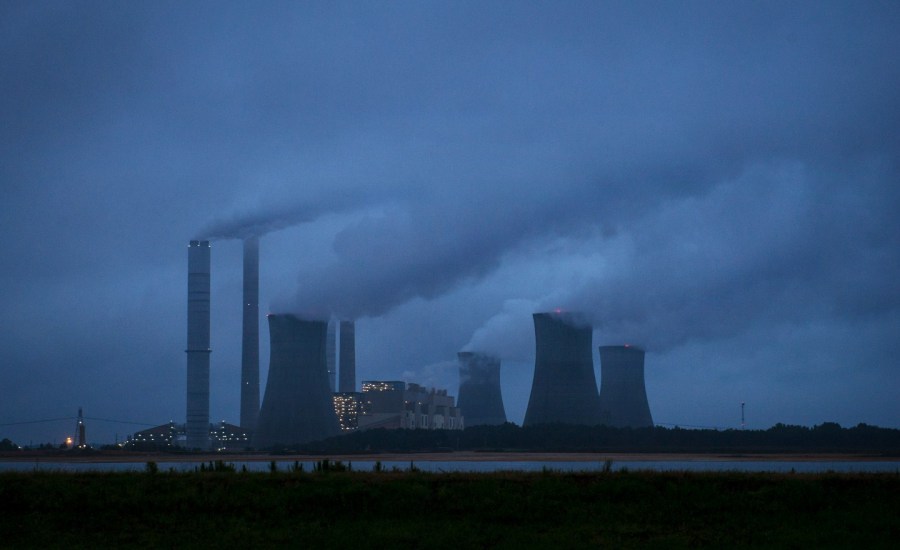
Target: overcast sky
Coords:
[(717, 182)]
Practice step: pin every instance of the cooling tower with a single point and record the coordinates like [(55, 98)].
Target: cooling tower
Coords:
[(250, 341), (564, 389), (479, 389), (623, 398), (197, 425), (297, 407), (331, 354), (347, 358)]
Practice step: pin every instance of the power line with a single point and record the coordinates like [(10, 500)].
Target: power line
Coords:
[(119, 421), (45, 420), (37, 421)]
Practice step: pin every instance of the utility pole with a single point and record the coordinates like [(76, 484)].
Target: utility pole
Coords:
[(743, 424)]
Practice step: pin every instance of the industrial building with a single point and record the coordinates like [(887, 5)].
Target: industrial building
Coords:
[(396, 405), (564, 389), (197, 425), (166, 437), (298, 406), (623, 396), (347, 407), (159, 438), (480, 398), (228, 437), (250, 337), (382, 404)]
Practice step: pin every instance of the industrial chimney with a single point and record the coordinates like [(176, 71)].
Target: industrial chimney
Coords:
[(331, 353), (480, 399), (297, 407), (623, 397), (197, 425), (250, 340), (347, 357), (564, 389)]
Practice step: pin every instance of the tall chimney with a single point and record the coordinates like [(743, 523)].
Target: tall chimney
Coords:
[(298, 406), (331, 354), (347, 358), (197, 425), (564, 389), (250, 341)]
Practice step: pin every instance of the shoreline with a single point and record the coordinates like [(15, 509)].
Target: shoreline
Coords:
[(460, 456)]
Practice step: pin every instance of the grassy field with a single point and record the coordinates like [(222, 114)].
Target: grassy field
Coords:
[(423, 510)]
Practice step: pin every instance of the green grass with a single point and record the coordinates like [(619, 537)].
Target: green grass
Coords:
[(425, 510)]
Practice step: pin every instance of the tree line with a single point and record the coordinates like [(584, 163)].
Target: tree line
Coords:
[(828, 437)]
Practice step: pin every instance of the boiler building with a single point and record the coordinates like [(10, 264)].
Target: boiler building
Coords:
[(395, 405)]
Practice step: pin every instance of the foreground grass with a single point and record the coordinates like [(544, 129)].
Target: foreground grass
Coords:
[(419, 510)]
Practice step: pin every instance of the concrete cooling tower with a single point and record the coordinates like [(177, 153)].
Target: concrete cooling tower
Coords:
[(197, 424), (479, 398), (250, 340), (564, 389), (623, 397), (297, 407)]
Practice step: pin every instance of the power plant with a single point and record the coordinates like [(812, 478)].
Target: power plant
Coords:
[(564, 389), (623, 397), (313, 361), (297, 407), (480, 398), (250, 337), (197, 425)]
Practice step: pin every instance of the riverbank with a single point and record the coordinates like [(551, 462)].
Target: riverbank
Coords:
[(410, 509), (460, 456)]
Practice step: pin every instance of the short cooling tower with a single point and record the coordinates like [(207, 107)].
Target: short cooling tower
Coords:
[(564, 389), (297, 407), (623, 397), (480, 399)]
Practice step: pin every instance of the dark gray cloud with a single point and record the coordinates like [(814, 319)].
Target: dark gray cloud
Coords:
[(696, 177)]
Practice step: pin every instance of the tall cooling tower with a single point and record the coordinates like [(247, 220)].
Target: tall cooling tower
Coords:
[(479, 398), (197, 425), (564, 389), (250, 341), (623, 397), (331, 354), (347, 358), (297, 407)]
